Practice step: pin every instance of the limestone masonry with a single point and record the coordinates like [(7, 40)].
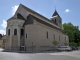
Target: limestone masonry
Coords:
[(28, 30)]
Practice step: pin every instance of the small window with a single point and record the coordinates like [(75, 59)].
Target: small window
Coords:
[(26, 35), (15, 31), (59, 37), (65, 38), (47, 35), (59, 21), (54, 36), (55, 20), (8, 31), (22, 31)]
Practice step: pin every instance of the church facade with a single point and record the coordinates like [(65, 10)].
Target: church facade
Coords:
[(28, 30)]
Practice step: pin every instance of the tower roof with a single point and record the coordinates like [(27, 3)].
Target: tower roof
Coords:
[(56, 14)]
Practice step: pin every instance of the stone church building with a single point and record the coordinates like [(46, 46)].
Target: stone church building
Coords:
[(28, 30)]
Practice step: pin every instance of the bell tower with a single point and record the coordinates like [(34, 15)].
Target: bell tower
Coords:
[(56, 19)]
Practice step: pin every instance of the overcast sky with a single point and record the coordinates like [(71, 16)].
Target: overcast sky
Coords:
[(69, 10)]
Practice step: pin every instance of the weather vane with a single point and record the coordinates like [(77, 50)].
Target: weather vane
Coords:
[(55, 7)]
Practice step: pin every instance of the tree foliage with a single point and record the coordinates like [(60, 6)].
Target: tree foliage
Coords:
[(55, 42), (78, 44), (73, 44), (72, 32), (66, 43)]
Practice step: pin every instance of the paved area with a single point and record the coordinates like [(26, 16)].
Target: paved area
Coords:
[(75, 55), (71, 54)]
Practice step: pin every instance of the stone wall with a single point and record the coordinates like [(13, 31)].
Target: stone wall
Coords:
[(14, 42), (37, 36), (7, 46), (1, 43)]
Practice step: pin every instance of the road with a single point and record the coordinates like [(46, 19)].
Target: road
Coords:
[(75, 55)]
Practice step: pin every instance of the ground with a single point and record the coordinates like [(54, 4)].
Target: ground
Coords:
[(74, 55)]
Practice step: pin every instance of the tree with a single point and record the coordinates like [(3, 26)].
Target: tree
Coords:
[(55, 42), (66, 43), (73, 44), (72, 32), (78, 44)]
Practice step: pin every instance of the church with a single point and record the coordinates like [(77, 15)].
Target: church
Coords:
[(28, 30)]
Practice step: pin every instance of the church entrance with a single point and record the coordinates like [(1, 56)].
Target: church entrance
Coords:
[(22, 42)]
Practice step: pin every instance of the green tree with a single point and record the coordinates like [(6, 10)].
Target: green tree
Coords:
[(66, 43), (72, 32), (73, 44), (78, 44), (55, 42)]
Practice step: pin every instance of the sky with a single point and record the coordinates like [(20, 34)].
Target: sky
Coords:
[(69, 10)]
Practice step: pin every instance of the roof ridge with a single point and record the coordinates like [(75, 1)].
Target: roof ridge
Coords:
[(34, 12)]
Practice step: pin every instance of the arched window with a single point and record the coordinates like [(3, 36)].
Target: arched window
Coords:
[(26, 35), (54, 36), (47, 35), (22, 31), (8, 31), (65, 38), (59, 21), (59, 37), (15, 31)]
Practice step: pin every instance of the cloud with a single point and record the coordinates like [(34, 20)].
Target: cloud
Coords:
[(2, 32), (14, 8), (67, 10), (4, 24)]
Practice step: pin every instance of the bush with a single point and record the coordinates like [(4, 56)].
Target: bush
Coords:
[(66, 43), (55, 42), (78, 44), (73, 44)]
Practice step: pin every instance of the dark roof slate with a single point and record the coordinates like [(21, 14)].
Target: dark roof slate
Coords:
[(43, 22), (56, 14), (28, 9), (19, 16)]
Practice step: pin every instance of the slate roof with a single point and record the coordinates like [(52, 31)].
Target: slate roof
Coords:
[(56, 14), (42, 22), (19, 16), (31, 18), (28, 9)]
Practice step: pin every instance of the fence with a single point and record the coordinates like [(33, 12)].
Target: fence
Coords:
[(39, 49), (32, 49)]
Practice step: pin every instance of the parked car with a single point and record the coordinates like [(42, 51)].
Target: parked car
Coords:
[(78, 47), (64, 48), (74, 48)]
